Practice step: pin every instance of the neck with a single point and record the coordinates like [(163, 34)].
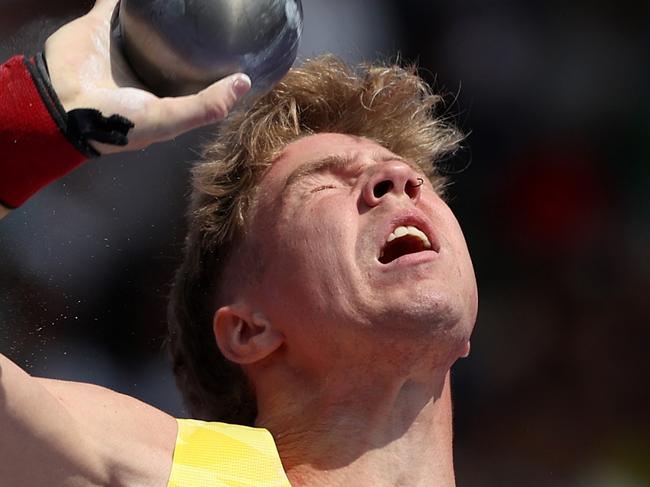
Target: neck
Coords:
[(384, 435)]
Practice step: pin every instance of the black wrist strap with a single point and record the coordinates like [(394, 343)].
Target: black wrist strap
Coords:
[(80, 125), (88, 123)]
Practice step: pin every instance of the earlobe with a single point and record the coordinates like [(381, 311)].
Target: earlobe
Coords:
[(243, 337)]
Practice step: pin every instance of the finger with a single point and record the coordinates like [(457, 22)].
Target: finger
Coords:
[(104, 8), (184, 113)]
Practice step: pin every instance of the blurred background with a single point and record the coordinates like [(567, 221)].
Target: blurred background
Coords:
[(551, 189)]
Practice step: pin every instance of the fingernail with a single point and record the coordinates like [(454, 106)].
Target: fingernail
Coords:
[(241, 85)]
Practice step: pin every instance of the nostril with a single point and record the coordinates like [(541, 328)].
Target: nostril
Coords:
[(413, 189), (382, 188)]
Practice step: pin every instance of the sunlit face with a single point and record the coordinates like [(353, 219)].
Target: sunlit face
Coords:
[(358, 250)]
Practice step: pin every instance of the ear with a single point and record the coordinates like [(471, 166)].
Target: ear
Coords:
[(244, 337)]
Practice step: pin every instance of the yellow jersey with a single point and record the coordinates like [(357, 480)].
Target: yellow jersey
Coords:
[(225, 455)]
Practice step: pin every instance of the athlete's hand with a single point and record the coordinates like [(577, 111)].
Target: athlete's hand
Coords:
[(86, 73)]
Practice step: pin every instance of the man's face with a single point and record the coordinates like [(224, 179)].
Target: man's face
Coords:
[(355, 243)]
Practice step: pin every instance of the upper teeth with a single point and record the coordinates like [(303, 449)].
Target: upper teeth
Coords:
[(404, 231)]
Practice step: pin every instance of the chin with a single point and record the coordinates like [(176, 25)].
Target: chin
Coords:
[(441, 310), (449, 323), (428, 318)]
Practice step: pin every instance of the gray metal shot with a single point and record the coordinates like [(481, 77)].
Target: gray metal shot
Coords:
[(179, 47)]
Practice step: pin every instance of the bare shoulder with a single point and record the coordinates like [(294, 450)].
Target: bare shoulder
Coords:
[(136, 439)]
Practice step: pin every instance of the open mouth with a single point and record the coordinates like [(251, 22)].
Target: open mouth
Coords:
[(403, 241)]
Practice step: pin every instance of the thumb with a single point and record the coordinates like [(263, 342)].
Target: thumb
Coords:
[(181, 114)]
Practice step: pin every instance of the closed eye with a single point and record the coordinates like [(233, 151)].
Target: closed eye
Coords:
[(321, 188)]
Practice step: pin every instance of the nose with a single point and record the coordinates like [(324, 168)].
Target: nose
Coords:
[(395, 179)]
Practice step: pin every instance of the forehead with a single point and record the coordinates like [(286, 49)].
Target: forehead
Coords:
[(317, 147)]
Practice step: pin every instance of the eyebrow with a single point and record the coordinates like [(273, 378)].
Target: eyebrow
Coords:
[(333, 163)]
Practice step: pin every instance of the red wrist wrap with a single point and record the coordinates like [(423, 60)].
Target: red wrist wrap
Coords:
[(33, 149)]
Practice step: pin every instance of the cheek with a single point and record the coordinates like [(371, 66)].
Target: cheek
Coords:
[(310, 245), (464, 266), (328, 254)]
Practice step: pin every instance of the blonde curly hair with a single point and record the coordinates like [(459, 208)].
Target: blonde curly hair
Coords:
[(388, 104)]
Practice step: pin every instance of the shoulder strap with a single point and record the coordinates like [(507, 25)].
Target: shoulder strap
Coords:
[(225, 455)]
